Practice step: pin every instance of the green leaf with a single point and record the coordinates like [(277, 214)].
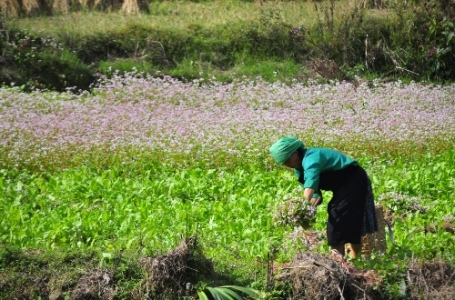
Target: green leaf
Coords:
[(402, 288), (449, 36), (202, 295), (216, 294), (224, 294), (248, 291), (233, 294)]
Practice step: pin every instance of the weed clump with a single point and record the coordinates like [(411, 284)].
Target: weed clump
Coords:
[(431, 280), (315, 276), (171, 275)]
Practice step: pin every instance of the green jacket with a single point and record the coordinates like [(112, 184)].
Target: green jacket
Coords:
[(320, 160)]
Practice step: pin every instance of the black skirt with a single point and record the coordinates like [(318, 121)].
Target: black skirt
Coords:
[(347, 206)]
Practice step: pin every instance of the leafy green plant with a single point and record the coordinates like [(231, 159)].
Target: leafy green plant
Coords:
[(227, 292), (441, 33)]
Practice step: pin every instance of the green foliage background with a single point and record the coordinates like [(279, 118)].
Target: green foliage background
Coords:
[(190, 40)]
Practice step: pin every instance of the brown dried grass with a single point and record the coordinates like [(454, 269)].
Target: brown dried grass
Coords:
[(107, 5), (95, 284), (326, 68), (168, 274), (75, 5), (11, 8), (87, 3), (135, 6), (64, 6), (431, 280), (17, 8), (315, 276), (36, 7)]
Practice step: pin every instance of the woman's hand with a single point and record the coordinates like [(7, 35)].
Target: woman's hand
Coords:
[(316, 201), (308, 194)]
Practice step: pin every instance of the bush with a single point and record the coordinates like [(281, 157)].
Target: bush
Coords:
[(58, 72), (36, 62), (421, 40)]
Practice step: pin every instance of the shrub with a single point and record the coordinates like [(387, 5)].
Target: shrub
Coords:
[(33, 62), (58, 72)]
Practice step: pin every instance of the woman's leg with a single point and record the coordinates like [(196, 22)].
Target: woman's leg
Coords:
[(339, 248), (353, 250)]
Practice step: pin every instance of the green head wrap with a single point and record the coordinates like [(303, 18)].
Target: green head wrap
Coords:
[(282, 149)]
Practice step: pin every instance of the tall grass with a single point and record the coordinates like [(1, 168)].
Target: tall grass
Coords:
[(182, 14)]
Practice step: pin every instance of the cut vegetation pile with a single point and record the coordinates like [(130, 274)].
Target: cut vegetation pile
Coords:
[(315, 276), (431, 280), (174, 275), (171, 275)]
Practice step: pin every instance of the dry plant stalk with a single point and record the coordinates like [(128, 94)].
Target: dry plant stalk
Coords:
[(167, 274), (11, 8), (36, 7), (315, 276), (135, 6), (105, 5), (64, 6)]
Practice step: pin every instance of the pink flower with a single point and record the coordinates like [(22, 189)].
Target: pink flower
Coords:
[(431, 52)]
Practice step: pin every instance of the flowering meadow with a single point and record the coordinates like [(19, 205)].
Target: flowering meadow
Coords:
[(139, 162), (239, 118)]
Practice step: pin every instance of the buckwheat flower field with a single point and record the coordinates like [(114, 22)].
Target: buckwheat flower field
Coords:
[(138, 162), (242, 118)]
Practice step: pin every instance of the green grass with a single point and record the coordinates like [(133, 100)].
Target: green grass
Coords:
[(122, 66), (270, 70), (183, 14)]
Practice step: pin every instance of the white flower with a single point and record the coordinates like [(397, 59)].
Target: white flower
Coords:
[(295, 211)]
